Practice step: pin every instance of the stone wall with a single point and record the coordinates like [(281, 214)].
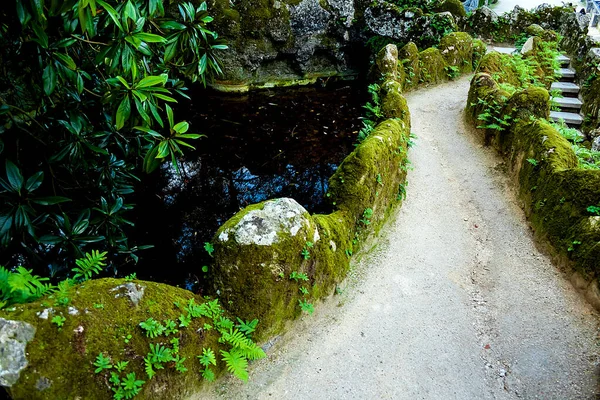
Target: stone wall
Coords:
[(555, 193), (293, 42)]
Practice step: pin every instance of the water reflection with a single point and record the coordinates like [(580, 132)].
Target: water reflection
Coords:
[(267, 145)]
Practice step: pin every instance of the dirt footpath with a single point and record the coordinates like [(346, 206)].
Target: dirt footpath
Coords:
[(454, 303)]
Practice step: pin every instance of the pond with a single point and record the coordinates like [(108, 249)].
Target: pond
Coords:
[(264, 145)]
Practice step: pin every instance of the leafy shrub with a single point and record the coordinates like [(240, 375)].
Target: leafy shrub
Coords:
[(84, 98)]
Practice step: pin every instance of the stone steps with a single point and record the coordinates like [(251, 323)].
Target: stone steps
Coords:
[(566, 88), (570, 103), (564, 61), (565, 73), (571, 119)]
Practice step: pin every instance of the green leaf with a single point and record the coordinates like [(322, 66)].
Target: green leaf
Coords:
[(150, 160), (172, 25), (123, 112), (23, 14), (49, 79), (112, 13), (49, 200), (163, 149), (150, 37), (66, 60), (42, 37), (169, 115), (151, 81), (236, 363), (15, 178), (181, 127), (34, 181), (170, 51)]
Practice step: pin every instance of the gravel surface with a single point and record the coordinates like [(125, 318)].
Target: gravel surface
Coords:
[(455, 302)]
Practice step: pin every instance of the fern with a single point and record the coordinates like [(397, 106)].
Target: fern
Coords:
[(89, 265), (236, 363), (22, 286), (208, 374)]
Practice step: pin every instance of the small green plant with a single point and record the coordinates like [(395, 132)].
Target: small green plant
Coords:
[(89, 265), (128, 338), (304, 290), (185, 320), (99, 305), (594, 209), (306, 306), (366, 216), (205, 269), (131, 277), (401, 191), (573, 245), (152, 327), (247, 327), (209, 248), (452, 71), (102, 363), (126, 388), (379, 180), (533, 161), (121, 365), (206, 360), (59, 321), (298, 276), (305, 253)]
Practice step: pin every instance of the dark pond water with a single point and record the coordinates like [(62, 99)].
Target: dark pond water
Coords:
[(268, 144)]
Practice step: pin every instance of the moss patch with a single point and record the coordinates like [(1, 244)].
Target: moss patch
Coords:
[(105, 317)]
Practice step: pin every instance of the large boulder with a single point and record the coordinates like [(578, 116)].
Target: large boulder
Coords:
[(49, 350), (260, 252)]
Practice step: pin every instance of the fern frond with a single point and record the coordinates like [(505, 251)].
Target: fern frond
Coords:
[(89, 265), (236, 363)]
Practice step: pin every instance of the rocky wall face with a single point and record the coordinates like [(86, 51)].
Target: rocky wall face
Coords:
[(291, 42)]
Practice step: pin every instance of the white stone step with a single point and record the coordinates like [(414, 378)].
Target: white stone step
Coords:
[(565, 73), (565, 87), (569, 118), (503, 50), (564, 60), (568, 102)]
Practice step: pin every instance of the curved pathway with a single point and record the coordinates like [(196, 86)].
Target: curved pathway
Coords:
[(455, 303)]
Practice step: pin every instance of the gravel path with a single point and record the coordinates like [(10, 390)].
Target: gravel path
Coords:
[(454, 303)]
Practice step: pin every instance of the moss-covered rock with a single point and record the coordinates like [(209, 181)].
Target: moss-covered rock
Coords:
[(457, 50), (103, 316), (432, 66), (455, 7), (387, 62), (258, 249), (408, 56), (479, 50), (534, 30), (393, 104)]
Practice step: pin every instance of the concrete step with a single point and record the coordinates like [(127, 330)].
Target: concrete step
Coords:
[(571, 119), (571, 103), (564, 60), (503, 50), (565, 73), (565, 87)]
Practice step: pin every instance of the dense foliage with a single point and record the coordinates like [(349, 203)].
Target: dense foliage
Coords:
[(85, 88)]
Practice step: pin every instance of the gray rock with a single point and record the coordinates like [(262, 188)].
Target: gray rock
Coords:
[(594, 55), (45, 313), (14, 336), (528, 46), (134, 291), (43, 383), (596, 144), (267, 226), (308, 17), (488, 13)]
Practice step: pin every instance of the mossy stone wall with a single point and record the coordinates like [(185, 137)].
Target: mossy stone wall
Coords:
[(554, 192)]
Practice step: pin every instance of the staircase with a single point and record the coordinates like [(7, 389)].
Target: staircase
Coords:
[(569, 104)]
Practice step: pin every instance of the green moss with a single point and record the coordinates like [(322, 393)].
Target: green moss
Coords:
[(393, 104), (65, 356), (432, 66), (457, 50), (409, 57), (479, 50), (455, 7)]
